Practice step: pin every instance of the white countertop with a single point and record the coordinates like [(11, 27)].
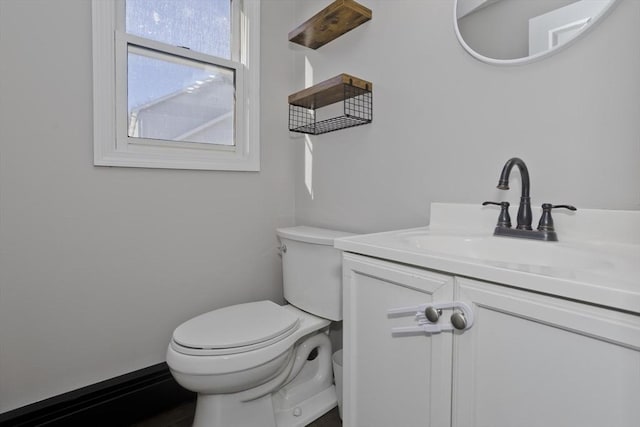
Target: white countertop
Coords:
[(601, 247)]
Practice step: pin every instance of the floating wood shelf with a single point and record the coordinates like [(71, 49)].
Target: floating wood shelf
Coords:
[(330, 23), (327, 92), (355, 93)]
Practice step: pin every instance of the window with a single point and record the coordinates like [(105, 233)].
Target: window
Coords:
[(176, 84)]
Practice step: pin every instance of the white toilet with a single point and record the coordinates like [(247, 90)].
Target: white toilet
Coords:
[(261, 364)]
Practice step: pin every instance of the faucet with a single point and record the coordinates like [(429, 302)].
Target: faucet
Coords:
[(524, 211), (523, 228)]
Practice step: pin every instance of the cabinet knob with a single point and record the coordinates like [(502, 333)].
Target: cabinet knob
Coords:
[(458, 320), (432, 314), (427, 317)]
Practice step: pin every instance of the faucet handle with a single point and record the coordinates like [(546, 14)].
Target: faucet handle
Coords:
[(550, 206), (546, 222), (504, 220)]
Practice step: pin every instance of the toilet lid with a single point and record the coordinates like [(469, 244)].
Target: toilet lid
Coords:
[(242, 325)]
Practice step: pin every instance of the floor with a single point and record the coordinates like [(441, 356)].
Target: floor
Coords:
[(182, 416), (330, 419)]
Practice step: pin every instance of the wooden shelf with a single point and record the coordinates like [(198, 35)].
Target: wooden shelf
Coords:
[(327, 92), (330, 23), (356, 95)]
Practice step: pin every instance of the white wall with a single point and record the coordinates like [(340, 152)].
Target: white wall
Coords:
[(99, 265), (445, 123)]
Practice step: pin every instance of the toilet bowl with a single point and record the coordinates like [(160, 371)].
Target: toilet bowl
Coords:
[(260, 364)]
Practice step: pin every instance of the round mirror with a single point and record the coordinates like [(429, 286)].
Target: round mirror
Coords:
[(521, 31)]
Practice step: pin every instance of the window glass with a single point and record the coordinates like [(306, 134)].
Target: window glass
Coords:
[(200, 25), (178, 99)]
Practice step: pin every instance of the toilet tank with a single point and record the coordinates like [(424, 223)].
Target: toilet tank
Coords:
[(312, 270)]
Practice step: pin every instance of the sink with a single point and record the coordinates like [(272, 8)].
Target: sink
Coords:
[(548, 258), (597, 259), (502, 249)]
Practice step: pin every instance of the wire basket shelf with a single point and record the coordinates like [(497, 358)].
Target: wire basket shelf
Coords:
[(357, 111)]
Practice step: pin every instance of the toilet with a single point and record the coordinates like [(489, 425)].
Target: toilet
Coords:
[(261, 364)]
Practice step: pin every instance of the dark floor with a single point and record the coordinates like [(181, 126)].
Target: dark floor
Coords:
[(330, 419), (182, 416)]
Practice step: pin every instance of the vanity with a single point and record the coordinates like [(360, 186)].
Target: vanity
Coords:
[(449, 325)]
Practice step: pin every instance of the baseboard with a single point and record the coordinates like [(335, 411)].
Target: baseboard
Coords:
[(119, 401)]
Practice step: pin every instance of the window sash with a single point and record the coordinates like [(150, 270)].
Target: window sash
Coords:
[(124, 141)]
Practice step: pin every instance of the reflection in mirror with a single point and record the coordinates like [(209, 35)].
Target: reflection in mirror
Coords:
[(518, 31)]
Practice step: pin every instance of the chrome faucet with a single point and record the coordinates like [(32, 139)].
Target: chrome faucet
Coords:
[(523, 228)]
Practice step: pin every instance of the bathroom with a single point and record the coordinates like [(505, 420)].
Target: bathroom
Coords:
[(98, 265)]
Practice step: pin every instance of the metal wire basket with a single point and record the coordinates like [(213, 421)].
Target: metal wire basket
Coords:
[(357, 111)]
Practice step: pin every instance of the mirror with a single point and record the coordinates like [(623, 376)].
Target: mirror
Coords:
[(521, 31)]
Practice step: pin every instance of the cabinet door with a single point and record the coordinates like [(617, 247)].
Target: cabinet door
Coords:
[(393, 380), (532, 360)]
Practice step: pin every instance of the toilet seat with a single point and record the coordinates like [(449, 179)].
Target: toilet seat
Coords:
[(235, 329), (193, 361)]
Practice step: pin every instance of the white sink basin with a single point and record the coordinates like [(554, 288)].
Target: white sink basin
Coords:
[(505, 250), (548, 258), (596, 260)]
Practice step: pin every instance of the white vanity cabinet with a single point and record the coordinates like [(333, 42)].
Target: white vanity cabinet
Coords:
[(528, 359), (391, 381)]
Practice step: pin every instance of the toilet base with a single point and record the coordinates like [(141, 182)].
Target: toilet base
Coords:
[(224, 410), (309, 410), (217, 410), (302, 392)]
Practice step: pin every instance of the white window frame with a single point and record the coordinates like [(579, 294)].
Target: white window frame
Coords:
[(113, 146)]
